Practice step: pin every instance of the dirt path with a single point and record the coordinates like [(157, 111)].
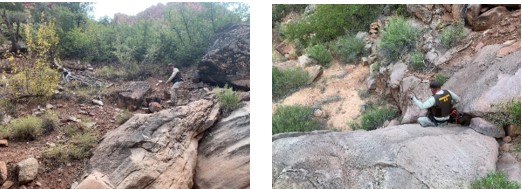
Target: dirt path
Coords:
[(337, 94)]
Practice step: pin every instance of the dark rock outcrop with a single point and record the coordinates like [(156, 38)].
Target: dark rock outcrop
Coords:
[(228, 58), (131, 96)]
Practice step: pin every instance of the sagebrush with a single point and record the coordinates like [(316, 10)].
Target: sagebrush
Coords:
[(373, 117), (228, 99), (398, 37), (293, 118), (25, 128), (348, 48), (320, 53), (287, 81), (417, 61), (452, 35)]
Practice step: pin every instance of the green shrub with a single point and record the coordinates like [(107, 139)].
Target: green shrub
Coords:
[(286, 81), (294, 118), (4, 132), (507, 113), (348, 48), (494, 180), (83, 144), (123, 116), (373, 117), (329, 21), (440, 78), (417, 61), (58, 153), (228, 99), (320, 53), (452, 35), (81, 141), (281, 10), (397, 37), (25, 128), (8, 107)]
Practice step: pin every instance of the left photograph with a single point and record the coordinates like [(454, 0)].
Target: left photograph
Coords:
[(113, 95)]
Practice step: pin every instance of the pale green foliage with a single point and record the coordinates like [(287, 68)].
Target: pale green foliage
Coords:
[(320, 53), (373, 117), (294, 118), (452, 35), (417, 61), (506, 113), (25, 128), (285, 81), (397, 38), (228, 99), (348, 48)]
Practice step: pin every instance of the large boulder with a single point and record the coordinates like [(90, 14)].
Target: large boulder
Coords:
[(486, 20), (510, 166), (412, 85), (397, 73), (154, 150), (27, 170), (130, 96), (486, 128), (3, 172), (224, 153), (421, 12), (228, 58), (405, 156), (486, 80)]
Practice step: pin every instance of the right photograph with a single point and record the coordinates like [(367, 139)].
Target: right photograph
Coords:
[(396, 96)]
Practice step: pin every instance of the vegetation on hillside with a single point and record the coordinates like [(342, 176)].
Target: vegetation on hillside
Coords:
[(294, 118)]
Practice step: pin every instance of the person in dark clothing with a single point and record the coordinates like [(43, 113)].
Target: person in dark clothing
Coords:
[(439, 106)]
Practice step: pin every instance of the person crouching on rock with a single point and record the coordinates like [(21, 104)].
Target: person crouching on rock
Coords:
[(176, 79), (439, 106)]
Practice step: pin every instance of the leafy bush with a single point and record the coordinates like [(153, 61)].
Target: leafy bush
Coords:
[(452, 35), (330, 21), (285, 81), (397, 37), (494, 180), (228, 99), (440, 78), (373, 117), (83, 143), (506, 113), (25, 128), (123, 116), (294, 118), (34, 77), (321, 54), (8, 107), (417, 61), (348, 48), (58, 153)]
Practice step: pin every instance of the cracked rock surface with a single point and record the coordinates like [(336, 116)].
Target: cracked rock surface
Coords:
[(405, 156), (152, 150)]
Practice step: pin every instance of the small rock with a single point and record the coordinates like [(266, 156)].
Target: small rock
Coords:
[(90, 68), (52, 144), (479, 46), (160, 81), (38, 184), (89, 124), (372, 31), (7, 184), (49, 106), (365, 61), (73, 119), (3, 172), (59, 105), (155, 107), (3, 143), (486, 128), (394, 122), (506, 147), (318, 113), (97, 102), (506, 139), (82, 112), (512, 130), (91, 113), (74, 185), (27, 170), (386, 123)]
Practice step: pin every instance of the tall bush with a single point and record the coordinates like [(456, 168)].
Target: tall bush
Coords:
[(398, 37), (321, 54), (452, 35), (34, 76)]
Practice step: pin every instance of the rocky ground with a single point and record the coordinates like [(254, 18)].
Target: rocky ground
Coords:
[(51, 174)]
